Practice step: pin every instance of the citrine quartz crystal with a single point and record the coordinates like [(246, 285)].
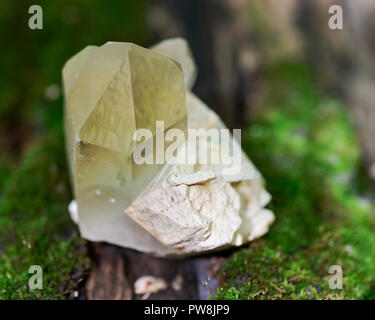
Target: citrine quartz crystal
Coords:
[(110, 92)]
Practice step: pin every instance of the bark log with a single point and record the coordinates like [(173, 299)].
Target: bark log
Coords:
[(115, 270), (107, 279)]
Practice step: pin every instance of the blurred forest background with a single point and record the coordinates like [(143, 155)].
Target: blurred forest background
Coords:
[(303, 93)]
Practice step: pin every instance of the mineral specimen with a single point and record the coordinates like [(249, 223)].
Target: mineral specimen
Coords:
[(166, 208)]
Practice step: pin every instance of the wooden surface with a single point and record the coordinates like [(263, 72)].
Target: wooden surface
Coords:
[(115, 270)]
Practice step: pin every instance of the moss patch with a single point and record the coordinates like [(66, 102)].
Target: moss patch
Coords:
[(35, 228), (304, 145)]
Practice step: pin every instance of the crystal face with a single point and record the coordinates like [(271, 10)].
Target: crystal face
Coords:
[(110, 92)]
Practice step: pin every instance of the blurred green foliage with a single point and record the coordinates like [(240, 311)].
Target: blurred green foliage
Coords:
[(32, 59), (35, 227)]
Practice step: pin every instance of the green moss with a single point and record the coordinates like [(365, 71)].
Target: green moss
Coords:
[(304, 145), (35, 228)]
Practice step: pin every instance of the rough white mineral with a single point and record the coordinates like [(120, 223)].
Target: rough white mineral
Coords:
[(148, 284), (165, 209)]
